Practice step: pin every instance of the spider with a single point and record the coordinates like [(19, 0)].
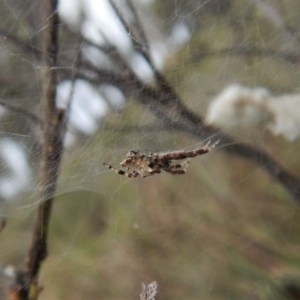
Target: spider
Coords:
[(141, 164)]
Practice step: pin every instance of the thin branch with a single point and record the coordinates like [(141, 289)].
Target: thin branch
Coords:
[(249, 51), (134, 39), (24, 45), (166, 96), (18, 110), (76, 64), (140, 46), (52, 144), (164, 99), (105, 49), (137, 24), (268, 163), (111, 51), (170, 96), (258, 156)]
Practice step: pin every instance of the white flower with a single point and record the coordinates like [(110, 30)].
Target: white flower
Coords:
[(286, 112), (239, 106)]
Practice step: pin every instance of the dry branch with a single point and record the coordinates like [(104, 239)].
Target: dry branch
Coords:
[(51, 154), (249, 51), (52, 146), (164, 98), (23, 112)]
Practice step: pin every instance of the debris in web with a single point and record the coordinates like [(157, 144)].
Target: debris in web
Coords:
[(149, 291)]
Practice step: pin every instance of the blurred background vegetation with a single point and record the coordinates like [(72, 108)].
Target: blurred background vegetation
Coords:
[(224, 230)]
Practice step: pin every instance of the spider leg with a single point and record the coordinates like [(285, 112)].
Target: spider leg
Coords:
[(121, 172), (184, 165), (178, 169), (178, 155), (175, 172)]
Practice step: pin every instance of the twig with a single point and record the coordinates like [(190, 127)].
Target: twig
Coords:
[(52, 143), (137, 24), (52, 148), (76, 63), (258, 156), (139, 46), (170, 96), (134, 39), (163, 99), (25, 46), (167, 97), (268, 163), (249, 51), (23, 112)]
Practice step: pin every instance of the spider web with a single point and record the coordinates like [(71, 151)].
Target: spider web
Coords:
[(227, 229)]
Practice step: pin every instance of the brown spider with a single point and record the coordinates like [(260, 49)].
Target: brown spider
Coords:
[(138, 163)]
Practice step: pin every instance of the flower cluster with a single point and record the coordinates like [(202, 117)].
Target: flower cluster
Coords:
[(239, 106)]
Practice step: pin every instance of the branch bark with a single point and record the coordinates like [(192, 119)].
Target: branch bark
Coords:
[(51, 151), (52, 144)]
